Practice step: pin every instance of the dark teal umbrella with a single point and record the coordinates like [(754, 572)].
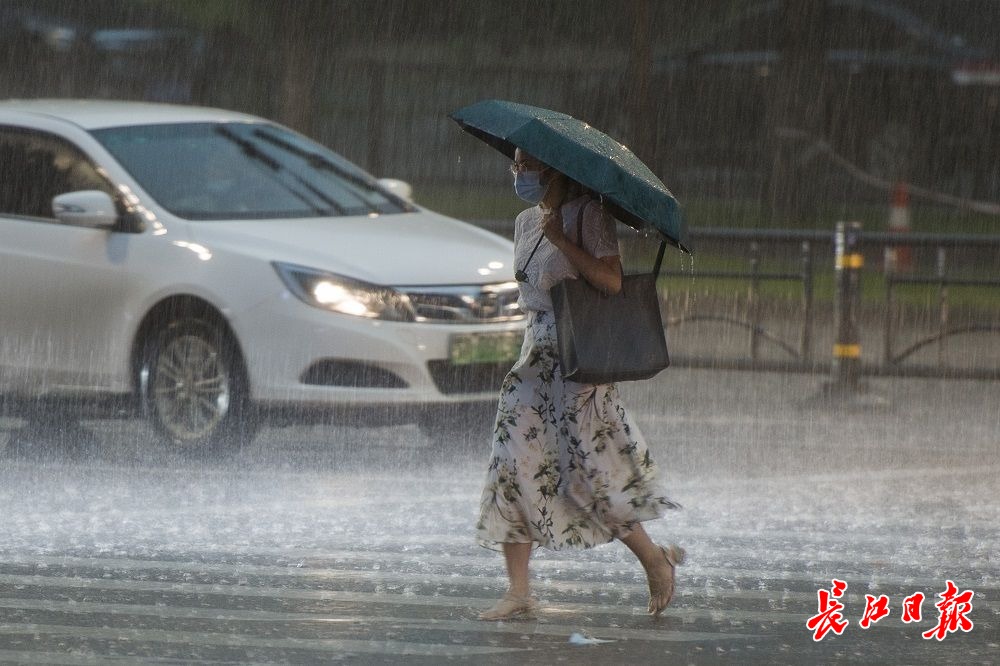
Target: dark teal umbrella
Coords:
[(631, 191)]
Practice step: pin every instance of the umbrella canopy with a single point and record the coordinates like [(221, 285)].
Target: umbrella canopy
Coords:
[(632, 192)]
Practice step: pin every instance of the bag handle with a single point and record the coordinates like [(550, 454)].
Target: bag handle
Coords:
[(659, 258)]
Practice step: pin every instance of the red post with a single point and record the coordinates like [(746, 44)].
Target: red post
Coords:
[(899, 258)]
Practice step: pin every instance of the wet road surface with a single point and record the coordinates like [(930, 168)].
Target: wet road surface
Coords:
[(319, 545)]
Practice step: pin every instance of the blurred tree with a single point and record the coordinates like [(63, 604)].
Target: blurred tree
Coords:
[(639, 107), (796, 101), (298, 36), (260, 56)]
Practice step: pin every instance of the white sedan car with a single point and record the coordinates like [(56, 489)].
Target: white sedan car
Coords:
[(211, 267)]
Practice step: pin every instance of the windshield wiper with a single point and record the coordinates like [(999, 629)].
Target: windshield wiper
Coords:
[(315, 160), (253, 151), (318, 161), (249, 148)]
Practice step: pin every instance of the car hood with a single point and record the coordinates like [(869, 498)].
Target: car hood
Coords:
[(404, 249)]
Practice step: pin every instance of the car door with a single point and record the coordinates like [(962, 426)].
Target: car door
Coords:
[(61, 286)]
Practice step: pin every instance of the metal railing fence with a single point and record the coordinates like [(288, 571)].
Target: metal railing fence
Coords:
[(853, 253)]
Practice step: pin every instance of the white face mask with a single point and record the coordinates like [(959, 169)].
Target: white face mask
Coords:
[(528, 186)]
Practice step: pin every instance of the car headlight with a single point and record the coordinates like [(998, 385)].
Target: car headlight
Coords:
[(344, 295)]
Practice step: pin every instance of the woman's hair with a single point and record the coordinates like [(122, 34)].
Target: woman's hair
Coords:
[(575, 189)]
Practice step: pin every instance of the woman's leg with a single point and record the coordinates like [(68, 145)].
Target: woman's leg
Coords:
[(517, 556), (659, 569), (518, 600), (649, 554)]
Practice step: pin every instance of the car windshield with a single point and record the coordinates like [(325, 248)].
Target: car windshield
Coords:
[(226, 171)]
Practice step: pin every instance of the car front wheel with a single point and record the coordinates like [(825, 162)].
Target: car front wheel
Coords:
[(195, 390)]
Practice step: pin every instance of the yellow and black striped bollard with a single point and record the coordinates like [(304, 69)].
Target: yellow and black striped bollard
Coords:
[(847, 345)]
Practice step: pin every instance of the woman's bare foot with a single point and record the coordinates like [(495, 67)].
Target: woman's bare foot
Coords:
[(661, 579), (511, 606)]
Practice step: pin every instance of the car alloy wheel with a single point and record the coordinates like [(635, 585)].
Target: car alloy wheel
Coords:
[(190, 387), (194, 388)]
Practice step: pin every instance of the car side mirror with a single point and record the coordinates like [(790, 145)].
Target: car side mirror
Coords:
[(400, 188), (85, 208)]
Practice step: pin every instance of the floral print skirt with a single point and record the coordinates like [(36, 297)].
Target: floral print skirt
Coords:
[(568, 467)]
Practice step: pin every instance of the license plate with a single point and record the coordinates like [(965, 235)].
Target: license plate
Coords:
[(502, 347)]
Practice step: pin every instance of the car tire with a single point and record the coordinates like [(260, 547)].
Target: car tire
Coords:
[(194, 388)]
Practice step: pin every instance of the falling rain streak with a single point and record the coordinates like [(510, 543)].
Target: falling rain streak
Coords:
[(335, 519)]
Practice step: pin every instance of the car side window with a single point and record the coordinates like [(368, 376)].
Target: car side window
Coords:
[(35, 167)]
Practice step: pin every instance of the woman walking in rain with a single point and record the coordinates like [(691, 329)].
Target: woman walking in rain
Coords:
[(568, 469)]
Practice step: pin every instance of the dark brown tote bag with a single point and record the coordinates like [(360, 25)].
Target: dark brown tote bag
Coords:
[(604, 339)]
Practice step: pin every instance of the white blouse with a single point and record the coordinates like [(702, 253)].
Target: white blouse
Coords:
[(549, 265)]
